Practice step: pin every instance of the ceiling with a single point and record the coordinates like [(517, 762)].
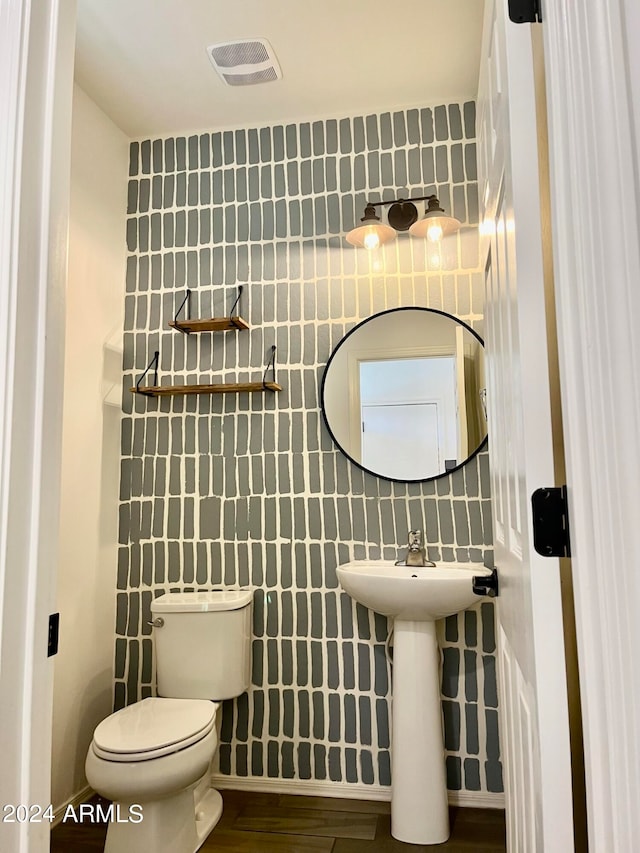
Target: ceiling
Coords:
[(144, 62)]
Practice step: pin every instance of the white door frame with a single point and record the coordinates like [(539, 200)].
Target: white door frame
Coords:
[(36, 78), (595, 162)]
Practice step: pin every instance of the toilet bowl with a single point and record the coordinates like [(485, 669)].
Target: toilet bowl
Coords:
[(155, 753), (152, 755)]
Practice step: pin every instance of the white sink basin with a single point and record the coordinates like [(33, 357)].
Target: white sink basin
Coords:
[(411, 593)]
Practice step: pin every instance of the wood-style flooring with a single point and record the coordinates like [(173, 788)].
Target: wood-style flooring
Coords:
[(279, 823)]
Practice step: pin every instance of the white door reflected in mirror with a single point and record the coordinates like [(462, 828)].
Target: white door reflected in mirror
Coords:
[(408, 415), (401, 394)]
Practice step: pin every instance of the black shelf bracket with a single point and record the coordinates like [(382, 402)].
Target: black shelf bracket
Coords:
[(186, 301), (271, 365), (236, 303), (153, 364)]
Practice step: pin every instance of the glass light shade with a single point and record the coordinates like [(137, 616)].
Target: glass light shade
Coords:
[(434, 227), (370, 235)]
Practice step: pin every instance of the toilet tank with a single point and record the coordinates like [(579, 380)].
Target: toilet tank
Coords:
[(203, 646)]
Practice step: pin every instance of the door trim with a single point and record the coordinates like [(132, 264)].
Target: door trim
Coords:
[(36, 78), (596, 222)]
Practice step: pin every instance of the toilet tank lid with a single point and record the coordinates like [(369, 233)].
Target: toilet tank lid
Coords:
[(195, 602)]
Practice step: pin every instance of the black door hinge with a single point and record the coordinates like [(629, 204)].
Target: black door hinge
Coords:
[(525, 11), (54, 633), (551, 522)]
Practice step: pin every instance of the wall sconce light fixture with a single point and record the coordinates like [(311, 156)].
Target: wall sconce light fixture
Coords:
[(402, 216)]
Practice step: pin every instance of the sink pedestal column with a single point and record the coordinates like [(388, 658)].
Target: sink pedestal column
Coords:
[(419, 808)]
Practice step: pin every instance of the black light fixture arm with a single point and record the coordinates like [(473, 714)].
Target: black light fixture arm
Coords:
[(402, 211), (401, 200)]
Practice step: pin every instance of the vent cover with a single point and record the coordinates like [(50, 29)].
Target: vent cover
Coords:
[(244, 62)]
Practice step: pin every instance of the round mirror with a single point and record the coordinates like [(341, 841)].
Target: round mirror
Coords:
[(403, 394)]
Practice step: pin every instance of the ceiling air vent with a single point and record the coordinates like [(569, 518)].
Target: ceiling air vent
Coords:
[(244, 62)]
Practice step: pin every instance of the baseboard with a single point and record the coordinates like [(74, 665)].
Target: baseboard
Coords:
[(476, 800), (81, 797), (306, 787), (313, 788)]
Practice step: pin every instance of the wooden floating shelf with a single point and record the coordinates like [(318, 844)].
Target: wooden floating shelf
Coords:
[(221, 388), (214, 324)]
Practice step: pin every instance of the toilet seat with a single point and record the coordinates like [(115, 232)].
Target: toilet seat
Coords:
[(153, 727)]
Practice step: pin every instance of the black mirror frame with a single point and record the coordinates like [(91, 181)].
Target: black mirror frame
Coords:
[(359, 325)]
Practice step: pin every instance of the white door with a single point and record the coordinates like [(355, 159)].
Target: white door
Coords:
[(401, 440), (534, 715)]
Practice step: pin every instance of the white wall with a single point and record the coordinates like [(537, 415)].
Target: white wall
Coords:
[(91, 441)]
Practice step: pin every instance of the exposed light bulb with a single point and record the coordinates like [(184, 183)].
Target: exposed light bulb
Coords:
[(371, 240), (434, 232)]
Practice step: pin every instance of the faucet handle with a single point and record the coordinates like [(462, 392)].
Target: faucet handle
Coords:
[(415, 539)]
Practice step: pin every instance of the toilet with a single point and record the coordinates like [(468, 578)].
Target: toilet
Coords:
[(156, 754)]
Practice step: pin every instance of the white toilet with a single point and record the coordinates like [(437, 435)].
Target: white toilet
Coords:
[(156, 754)]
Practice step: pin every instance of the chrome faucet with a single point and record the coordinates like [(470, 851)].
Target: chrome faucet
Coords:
[(416, 553)]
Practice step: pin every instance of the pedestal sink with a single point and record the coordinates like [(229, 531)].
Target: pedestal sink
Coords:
[(415, 596)]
